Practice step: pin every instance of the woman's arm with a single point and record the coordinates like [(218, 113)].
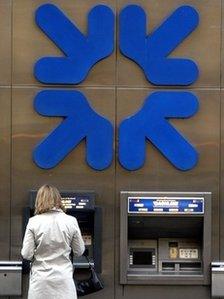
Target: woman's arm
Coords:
[(78, 246), (28, 248)]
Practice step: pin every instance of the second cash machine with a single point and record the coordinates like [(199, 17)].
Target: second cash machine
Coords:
[(165, 238), (80, 204)]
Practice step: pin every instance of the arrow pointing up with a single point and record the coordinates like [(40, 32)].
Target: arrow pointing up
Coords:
[(80, 122), (151, 51), (81, 52), (151, 123)]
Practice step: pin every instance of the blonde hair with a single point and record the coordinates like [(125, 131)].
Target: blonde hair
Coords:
[(48, 197)]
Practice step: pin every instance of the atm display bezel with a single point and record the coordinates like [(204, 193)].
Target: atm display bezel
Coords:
[(137, 249)]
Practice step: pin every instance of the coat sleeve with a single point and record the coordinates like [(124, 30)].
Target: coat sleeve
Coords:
[(28, 248), (78, 246)]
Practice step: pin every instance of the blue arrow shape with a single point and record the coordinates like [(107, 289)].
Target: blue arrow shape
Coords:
[(81, 52), (151, 51), (80, 122), (150, 123)]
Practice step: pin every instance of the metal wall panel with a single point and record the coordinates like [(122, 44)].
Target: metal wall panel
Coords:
[(5, 45), (73, 173), (222, 179), (222, 149), (222, 44), (30, 43), (203, 45), (168, 292), (158, 174), (5, 148), (203, 130)]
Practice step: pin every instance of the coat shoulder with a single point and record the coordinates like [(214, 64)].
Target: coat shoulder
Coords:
[(34, 219), (70, 218)]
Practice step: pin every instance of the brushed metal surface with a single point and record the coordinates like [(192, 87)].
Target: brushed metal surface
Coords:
[(203, 130), (10, 278), (168, 292), (222, 150), (5, 132), (203, 45), (222, 45), (158, 174), (222, 180), (5, 45), (33, 44), (73, 173)]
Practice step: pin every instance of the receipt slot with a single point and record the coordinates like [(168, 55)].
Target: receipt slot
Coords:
[(165, 238), (80, 204)]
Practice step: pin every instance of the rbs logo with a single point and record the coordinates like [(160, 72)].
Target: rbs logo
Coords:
[(151, 53)]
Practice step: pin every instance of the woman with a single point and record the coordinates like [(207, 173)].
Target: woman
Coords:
[(49, 238)]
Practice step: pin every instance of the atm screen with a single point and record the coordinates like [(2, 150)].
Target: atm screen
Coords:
[(142, 258)]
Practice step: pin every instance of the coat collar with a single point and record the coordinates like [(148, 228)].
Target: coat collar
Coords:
[(56, 210)]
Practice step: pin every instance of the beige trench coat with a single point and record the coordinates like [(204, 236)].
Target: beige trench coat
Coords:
[(47, 243)]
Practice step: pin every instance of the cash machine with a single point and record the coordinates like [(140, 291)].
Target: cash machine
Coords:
[(165, 238), (80, 204)]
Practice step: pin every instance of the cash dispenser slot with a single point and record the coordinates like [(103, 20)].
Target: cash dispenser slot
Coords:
[(81, 205), (165, 238), (190, 266), (181, 267), (168, 266)]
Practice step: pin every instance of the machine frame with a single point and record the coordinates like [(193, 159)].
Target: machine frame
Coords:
[(165, 279)]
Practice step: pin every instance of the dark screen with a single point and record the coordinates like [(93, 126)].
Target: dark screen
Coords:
[(142, 258)]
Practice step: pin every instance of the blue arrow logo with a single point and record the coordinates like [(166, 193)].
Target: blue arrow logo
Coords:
[(80, 122), (81, 52), (150, 123), (151, 51)]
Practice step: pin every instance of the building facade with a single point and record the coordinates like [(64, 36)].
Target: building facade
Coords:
[(116, 87)]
